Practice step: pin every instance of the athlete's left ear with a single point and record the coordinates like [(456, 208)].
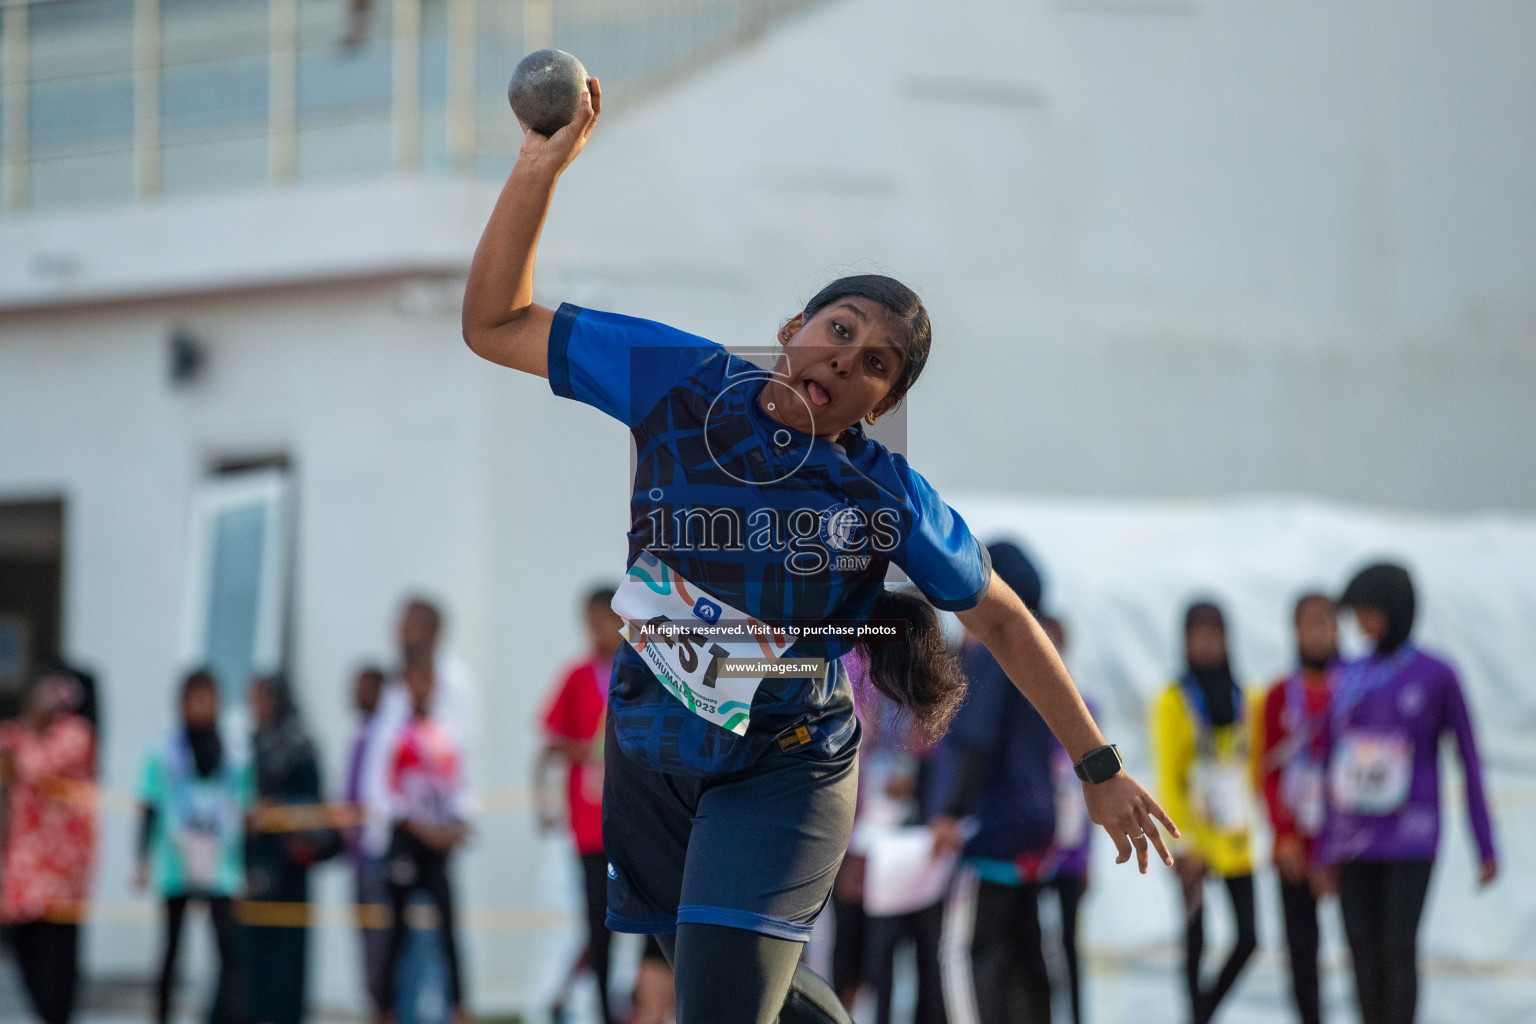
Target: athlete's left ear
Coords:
[(886, 405)]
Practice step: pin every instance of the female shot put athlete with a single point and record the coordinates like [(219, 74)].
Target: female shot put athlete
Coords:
[(757, 499)]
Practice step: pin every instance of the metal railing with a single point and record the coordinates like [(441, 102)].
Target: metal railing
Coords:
[(109, 100)]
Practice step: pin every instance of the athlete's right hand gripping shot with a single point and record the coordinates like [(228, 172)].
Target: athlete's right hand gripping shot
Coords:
[(758, 500)]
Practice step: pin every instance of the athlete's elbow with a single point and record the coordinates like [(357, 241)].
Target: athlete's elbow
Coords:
[(480, 334), (476, 336)]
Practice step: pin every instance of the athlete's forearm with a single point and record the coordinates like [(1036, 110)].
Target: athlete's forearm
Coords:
[(500, 321), (1029, 658)]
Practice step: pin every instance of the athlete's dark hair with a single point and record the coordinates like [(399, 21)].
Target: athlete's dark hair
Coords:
[(602, 595), (922, 675), (899, 301)]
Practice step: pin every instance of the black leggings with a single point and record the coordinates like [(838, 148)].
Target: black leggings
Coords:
[(1007, 961), (1203, 1002), (925, 928), (414, 866), (733, 976), (226, 1004), (1382, 902), (47, 955), (1070, 889), (1301, 939), (594, 870), (852, 925)]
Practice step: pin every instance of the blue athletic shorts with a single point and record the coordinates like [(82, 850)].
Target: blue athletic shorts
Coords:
[(757, 849)]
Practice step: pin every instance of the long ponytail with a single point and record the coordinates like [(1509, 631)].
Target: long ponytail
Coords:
[(922, 675)]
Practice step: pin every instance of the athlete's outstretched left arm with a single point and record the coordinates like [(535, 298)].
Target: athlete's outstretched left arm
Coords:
[(1120, 804)]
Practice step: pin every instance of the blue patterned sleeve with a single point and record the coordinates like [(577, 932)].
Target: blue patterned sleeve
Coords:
[(939, 553), (618, 364)]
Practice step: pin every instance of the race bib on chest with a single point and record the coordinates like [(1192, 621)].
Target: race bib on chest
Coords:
[(199, 847), (686, 661), (1302, 789), (1371, 773), (1222, 791)]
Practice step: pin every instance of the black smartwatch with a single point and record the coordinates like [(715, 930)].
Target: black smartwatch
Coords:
[(1099, 765)]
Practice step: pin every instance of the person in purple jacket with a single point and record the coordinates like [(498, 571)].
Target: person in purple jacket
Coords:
[(1383, 821)]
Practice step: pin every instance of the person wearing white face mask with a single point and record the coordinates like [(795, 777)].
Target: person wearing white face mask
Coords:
[(1382, 826)]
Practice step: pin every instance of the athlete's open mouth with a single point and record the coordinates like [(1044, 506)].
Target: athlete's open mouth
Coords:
[(817, 393)]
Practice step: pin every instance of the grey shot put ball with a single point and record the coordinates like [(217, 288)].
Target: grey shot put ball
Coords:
[(546, 89)]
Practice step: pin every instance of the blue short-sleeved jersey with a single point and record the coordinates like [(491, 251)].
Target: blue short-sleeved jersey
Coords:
[(781, 525)]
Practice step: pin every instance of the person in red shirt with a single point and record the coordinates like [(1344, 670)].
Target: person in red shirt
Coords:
[(1291, 762), (48, 839), (573, 730), (425, 780)]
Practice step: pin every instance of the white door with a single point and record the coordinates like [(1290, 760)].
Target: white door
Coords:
[(238, 579)]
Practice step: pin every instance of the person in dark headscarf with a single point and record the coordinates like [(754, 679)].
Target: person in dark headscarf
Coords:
[(195, 797), (1001, 751), (1200, 743), (283, 845), (1382, 827), (1382, 600)]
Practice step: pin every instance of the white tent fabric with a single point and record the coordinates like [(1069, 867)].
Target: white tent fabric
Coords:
[(1119, 573)]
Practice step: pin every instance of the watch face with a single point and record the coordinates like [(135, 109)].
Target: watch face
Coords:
[(1102, 764)]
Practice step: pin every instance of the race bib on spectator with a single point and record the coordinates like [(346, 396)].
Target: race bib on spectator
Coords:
[(685, 661), (1302, 789), (1222, 792), (200, 851), (1371, 773)]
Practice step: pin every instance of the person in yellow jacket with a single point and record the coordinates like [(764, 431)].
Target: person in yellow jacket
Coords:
[(1201, 742)]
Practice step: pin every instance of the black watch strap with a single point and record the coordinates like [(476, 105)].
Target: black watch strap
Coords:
[(1099, 764)]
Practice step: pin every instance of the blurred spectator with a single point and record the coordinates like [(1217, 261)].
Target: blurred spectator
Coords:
[(1001, 748), (79, 695), (1201, 746), (452, 707), (193, 834), (1291, 753), (372, 892), (573, 727), (279, 853), (1382, 828), (426, 793), (47, 764), (850, 923), (1069, 877), (654, 1000), (892, 777)]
